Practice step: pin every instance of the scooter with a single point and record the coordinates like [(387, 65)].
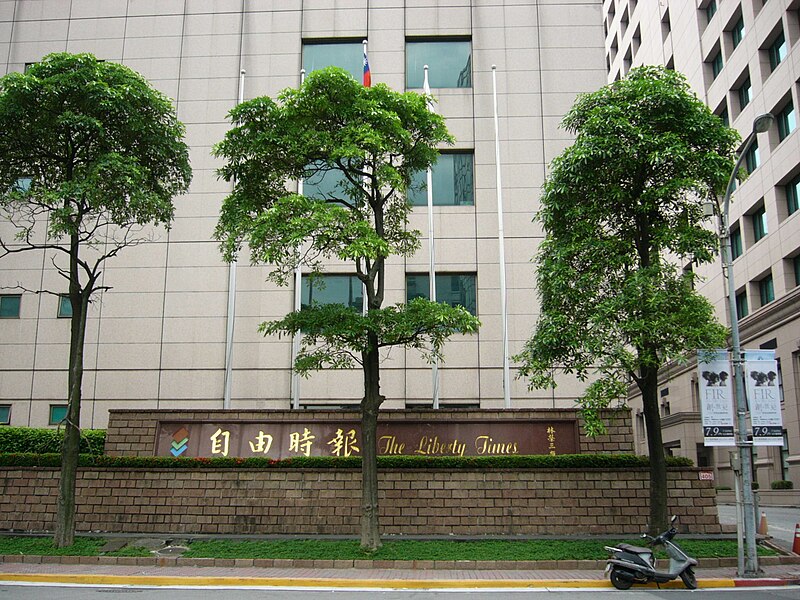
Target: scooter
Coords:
[(632, 564)]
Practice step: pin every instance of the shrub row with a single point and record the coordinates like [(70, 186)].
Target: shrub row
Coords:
[(45, 441), (563, 461)]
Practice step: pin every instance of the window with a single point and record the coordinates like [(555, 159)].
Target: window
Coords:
[(455, 289), (736, 243), (796, 267), (744, 93), (64, 307), (449, 63), (793, 195), (5, 414), (58, 412), (766, 290), (716, 64), (711, 10), (723, 115), (777, 51), (332, 289), (452, 180), (752, 159), (349, 55), (742, 309), (786, 121), (9, 306), (737, 33), (324, 182), (760, 224)]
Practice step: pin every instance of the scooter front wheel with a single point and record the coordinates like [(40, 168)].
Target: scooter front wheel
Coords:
[(619, 582), (689, 579)]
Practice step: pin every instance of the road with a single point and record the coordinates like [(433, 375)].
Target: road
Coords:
[(100, 593), (781, 522)]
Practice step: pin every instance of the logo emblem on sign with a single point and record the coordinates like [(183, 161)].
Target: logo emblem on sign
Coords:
[(180, 442)]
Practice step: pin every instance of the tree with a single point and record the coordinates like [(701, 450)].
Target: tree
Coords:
[(370, 141), (89, 155), (622, 210)]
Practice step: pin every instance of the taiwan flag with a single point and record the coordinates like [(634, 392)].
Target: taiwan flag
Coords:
[(367, 81)]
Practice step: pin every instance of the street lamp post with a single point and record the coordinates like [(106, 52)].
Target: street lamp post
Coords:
[(749, 566)]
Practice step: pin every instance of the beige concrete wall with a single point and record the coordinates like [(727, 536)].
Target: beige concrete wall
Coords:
[(157, 338)]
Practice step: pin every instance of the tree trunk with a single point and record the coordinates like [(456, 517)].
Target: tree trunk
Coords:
[(658, 463), (65, 515), (370, 405)]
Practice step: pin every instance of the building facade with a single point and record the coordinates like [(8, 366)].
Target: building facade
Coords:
[(157, 338), (742, 59)]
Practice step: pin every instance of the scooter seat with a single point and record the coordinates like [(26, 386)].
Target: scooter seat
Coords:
[(634, 549)]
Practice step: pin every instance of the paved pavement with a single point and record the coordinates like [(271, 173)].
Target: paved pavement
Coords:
[(360, 578)]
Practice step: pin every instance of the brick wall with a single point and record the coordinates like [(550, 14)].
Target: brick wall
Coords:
[(320, 502), (133, 432)]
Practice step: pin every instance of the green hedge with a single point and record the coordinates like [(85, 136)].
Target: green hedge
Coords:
[(782, 484), (563, 461), (45, 441)]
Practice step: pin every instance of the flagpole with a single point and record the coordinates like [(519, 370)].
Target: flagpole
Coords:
[(298, 289), (228, 385), (502, 251), (431, 249)]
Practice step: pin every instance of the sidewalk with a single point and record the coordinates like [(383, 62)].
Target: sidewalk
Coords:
[(249, 575)]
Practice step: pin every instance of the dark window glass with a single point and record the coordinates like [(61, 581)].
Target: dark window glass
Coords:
[(326, 183), (58, 412), (793, 195), (724, 116), (742, 309), (760, 223), (752, 160), (766, 290), (452, 179), (737, 33), (455, 289), (736, 243), (9, 306), (5, 414), (786, 121), (333, 289), (449, 64), (796, 265), (64, 307), (777, 51), (744, 93), (711, 10), (348, 55), (716, 64)]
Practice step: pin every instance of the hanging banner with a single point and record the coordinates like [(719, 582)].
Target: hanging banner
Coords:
[(763, 392), (716, 397)]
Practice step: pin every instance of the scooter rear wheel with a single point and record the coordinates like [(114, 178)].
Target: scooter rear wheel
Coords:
[(619, 582), (689, 579)]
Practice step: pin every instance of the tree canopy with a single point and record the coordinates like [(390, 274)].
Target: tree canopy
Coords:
[(90, 155), (622, 210), (366, 142)]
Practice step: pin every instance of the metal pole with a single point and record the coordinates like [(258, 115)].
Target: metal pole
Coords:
[(298, 282), (226, 398), (760, 125), (431, 250), (502, 251)]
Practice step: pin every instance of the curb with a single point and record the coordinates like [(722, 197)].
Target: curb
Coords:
[(163, 581), (288, 563)]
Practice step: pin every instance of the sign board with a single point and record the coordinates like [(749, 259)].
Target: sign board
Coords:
[(716, 397), (282, 439), (763, 393)]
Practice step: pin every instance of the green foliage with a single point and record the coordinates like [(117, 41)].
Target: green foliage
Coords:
[(99, 145), (43, 441), (561, 461), (374, 139), (622, 211), (782, 484)]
